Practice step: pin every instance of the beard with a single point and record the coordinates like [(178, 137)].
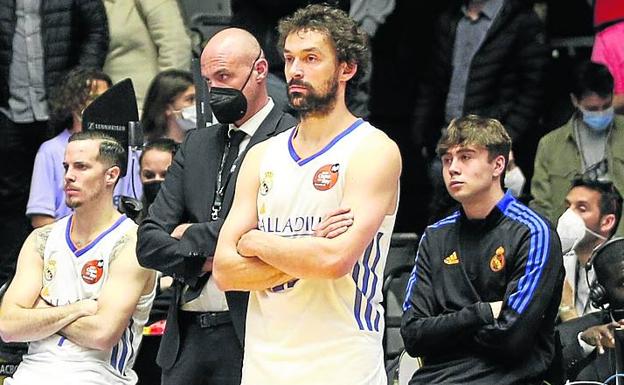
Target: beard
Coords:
[(313, 103)]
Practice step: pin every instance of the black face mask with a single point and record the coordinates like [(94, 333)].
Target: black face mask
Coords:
[(229, 104), (150, 190)]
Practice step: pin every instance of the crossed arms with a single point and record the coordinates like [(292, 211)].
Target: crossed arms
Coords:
[(25, 316), (248, 259)]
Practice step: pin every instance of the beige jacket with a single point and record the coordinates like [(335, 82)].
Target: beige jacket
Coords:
[(146, 37)]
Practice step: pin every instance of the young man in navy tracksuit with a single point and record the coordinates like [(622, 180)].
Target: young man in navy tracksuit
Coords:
[(483, 296)]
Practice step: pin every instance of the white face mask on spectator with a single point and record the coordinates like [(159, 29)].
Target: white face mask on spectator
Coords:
[(188, 118), (514, 181), (571, 229)]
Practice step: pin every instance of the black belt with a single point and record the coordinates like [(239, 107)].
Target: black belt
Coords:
[(208, 319)]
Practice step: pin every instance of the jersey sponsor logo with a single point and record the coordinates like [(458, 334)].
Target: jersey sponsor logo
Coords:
[(49, 270), (292, 225), (266, 184), (451, 259), (326, 177), (92, 271), (497, 262)]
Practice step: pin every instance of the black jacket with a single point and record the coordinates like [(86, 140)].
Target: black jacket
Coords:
[(74, 32), (570, 362), (186, 196), (505, 79), (462, 265)]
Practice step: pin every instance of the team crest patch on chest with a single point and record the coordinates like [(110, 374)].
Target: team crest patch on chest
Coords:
[(497, 262), (92, 271), (266, 184), (49, 270), (326, 177)]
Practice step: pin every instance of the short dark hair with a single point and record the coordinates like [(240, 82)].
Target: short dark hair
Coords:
[(163, 90), (111, 152), (610, 198), (160, 144), (71, 94), (477, 131), (590, 77), (349, 41)]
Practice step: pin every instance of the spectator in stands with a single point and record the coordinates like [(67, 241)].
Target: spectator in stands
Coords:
[(593, 213), (488, 58), (77, 90), (593, 139), (608, 48), (169, 109), (39, 42), (587, 344), (155, 161), (482, 298), (147, 37)]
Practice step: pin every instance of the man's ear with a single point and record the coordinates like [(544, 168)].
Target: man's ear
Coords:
[(347, 71), (262, 68), (607, 222), (112, 175), (499, 165)]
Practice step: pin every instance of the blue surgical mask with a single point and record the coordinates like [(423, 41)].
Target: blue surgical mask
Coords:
[(598, 120)]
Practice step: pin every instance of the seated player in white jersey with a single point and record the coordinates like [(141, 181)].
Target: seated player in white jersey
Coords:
[(314, 314), (79, 296)]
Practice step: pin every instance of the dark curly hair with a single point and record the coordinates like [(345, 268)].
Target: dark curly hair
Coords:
[(163, 90), (72, 94), (350, 42)]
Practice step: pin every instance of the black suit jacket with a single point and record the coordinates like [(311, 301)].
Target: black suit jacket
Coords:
[(186, 196), (569, 363)]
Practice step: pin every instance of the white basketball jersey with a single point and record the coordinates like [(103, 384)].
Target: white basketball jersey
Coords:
[(315, 331), (70, 275)]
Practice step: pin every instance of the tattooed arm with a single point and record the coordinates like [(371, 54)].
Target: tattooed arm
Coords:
[(22, 319)]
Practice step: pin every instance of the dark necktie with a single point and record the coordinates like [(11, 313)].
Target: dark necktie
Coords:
[(231, 153), (233, 145)]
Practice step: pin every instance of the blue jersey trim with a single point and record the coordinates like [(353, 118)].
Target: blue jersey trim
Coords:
[(301, 162), (537, 256), (124, 352), (113, 360), (358, 297), (505, 201), (78, 252)]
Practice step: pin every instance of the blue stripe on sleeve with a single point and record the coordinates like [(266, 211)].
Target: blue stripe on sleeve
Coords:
[(537, 257)]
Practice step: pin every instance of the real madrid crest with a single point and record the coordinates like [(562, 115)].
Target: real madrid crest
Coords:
[(266, 184), (497, 262), (326, 177), (49, 270)]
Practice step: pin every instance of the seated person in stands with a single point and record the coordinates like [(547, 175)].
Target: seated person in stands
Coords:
[(593, 138), (594, 208), (483, 296), (587, 343), (169, 109), (155, 160)]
